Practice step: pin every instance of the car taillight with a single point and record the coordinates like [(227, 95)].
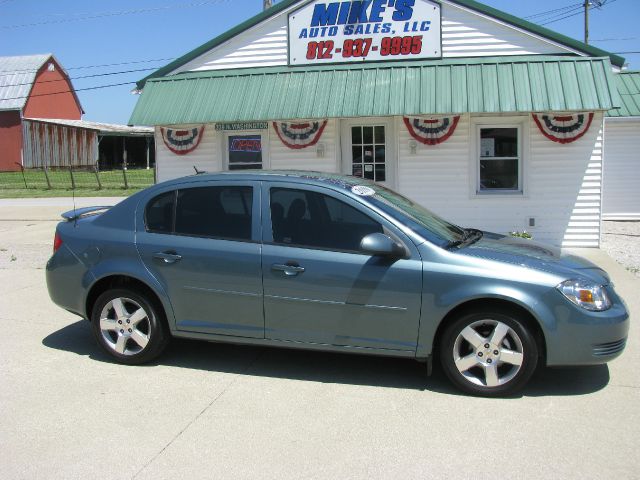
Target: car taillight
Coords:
[(57, 242)]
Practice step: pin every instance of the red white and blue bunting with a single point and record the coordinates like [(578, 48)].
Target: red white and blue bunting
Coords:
[(564, 128), (182, 141), (431, 130), (298, 135)]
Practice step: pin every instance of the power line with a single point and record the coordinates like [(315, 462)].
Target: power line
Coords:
[(92, 16), (555, 11), (82, 76), (579, 12), (98, 87), (13, 72), (121, 63), (615, 39)]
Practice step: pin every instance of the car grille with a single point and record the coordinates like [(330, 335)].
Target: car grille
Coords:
[(611, 348)]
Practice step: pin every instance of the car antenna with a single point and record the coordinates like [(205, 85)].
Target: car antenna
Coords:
[(198, 172), (75, 217)]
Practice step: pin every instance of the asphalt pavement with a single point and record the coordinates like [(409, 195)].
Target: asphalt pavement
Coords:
[(207, 410)]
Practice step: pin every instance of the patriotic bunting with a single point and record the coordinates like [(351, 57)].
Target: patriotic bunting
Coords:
[(299, 135), (431, 130), (563, 128), (182, 141)]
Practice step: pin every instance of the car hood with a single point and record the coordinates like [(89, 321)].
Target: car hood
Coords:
[(530, 254)]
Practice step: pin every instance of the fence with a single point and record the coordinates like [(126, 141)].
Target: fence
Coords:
[(77, 178)]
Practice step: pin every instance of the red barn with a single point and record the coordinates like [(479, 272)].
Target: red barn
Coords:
[(33, 86)]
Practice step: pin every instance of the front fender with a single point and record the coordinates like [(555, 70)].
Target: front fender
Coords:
[(447, 287)]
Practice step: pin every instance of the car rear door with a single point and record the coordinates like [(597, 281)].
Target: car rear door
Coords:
[(202, 242), (319, 287)]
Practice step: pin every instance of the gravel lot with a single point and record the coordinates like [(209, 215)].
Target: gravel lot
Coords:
[(621, 241)]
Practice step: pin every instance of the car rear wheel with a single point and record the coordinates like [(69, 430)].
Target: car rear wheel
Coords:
[(488, 353), (129, 326)]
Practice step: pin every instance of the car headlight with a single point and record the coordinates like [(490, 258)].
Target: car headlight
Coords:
[(586, 295)]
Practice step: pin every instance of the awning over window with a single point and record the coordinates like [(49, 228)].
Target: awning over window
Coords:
[(487, 85)]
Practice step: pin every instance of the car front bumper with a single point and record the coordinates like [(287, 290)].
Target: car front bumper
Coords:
[(581, 337)]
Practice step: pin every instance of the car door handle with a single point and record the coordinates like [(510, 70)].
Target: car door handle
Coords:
[(167, 257), (289, 270)]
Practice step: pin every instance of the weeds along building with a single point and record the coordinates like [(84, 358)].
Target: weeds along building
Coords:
[(489, 120)]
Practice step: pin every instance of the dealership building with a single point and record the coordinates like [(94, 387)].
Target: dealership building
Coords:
[(486, 119)]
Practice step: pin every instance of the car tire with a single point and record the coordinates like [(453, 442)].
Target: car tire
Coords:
[(129, 325), (488, 353)]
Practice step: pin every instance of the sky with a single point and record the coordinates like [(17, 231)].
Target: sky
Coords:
[(90, 38)]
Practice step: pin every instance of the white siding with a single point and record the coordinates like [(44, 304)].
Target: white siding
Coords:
[(209, 155), (465, 33), (262, 46), (283, 157), (621, 187), (562, 185), (206, 157)]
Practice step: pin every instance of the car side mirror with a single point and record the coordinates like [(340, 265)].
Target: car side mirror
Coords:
[(382, 245)]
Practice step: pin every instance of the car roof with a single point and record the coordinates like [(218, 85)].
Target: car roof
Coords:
[(301, 176)]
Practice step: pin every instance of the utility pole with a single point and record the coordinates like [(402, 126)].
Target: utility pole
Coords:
[(267, 4), (586, 22), (587, 5)]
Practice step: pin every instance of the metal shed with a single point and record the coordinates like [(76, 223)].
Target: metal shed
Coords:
[(62, 143)]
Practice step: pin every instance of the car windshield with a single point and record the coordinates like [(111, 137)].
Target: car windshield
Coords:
[(419, 219)]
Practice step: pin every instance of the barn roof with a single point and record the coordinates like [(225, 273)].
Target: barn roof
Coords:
[(17, 76), (104, 129)]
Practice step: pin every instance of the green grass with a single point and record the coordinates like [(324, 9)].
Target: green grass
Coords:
[(12, 184), (32, 193)]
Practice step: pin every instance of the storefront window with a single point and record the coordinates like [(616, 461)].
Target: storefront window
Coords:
[(500, 159), (245, 152), (369, 152)]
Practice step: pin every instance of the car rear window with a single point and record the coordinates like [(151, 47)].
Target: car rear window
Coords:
[(159, 213), (213, 212)]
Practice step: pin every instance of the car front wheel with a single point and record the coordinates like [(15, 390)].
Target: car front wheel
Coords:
[(488, 353), (129, 326)]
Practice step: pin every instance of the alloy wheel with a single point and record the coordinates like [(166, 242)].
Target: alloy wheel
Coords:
[(125, 326), (488, 353)]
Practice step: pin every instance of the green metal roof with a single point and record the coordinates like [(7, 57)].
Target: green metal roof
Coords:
[(496, 85), (629, 88), (471, 4)]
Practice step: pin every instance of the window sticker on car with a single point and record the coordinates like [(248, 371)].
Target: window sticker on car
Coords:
[(363, 191)]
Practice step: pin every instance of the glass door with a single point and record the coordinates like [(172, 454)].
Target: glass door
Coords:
[(366, 152)]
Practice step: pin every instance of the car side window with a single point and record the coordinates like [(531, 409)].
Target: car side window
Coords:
[(215, 212), (159, 213), (310, 219)]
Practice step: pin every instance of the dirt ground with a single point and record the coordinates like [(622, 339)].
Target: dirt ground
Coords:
[(621, 241)]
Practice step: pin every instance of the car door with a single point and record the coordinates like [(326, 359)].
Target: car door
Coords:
[(319, 287), (202, 242)]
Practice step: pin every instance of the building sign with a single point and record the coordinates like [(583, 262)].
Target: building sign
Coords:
[(245, 152), (234, 127), (364, 30)]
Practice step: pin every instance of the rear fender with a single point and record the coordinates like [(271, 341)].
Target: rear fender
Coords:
[(135, 270)]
